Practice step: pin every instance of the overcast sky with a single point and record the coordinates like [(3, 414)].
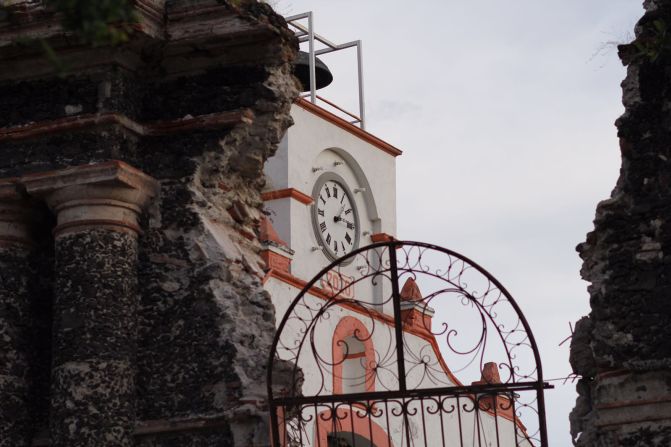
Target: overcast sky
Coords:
[(504, 111)]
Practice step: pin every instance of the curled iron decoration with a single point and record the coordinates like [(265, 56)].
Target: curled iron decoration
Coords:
[(383, 344)]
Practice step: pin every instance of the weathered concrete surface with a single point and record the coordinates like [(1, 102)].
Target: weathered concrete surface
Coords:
[(622, 352), (198, 100)]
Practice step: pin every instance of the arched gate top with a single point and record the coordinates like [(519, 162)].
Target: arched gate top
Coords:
[(424, 324)]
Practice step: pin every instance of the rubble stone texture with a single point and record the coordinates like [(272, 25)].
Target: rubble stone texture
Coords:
[(161, 339), (16, 334), (14, 361), (622, 351), (95, 333)]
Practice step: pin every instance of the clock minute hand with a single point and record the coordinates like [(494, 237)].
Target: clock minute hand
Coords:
[(338, 218)]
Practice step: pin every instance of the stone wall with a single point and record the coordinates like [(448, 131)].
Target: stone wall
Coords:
[(622, 351), (133, 291)]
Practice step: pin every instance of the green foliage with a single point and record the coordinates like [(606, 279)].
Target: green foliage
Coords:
[(655, 42), (97, 22), (94, 22)]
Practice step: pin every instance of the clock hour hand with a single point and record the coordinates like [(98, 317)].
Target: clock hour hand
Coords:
[(340, 219)]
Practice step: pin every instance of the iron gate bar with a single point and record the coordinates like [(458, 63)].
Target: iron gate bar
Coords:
[(494, 388), (398, 324), (398, 329), (474, 393)]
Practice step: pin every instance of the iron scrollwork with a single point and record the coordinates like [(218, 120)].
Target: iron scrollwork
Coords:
[(377, 340)]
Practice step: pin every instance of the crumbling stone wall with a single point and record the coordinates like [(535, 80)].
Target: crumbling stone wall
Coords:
[(198, 100), (622, 351)]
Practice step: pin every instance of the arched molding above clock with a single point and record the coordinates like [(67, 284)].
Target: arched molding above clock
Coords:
[(362, 181)]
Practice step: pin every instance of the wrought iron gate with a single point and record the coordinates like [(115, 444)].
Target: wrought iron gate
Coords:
[(372, 350)]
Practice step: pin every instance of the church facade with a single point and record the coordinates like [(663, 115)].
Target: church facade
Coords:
[(331, 188)]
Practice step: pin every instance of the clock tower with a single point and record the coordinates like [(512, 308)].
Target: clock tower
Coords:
[(360, 326), (331, 188)]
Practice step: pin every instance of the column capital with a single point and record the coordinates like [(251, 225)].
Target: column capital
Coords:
[(108, 195), (17, 214)]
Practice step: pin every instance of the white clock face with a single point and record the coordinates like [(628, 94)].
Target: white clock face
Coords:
[(335, 217)]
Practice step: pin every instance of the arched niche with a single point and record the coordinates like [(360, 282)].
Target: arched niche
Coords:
[(362, 182), (353, 357)]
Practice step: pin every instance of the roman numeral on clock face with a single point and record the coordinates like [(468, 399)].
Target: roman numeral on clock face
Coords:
[(334, 217)]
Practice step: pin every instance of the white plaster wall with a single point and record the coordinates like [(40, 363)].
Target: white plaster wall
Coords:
[(319, 378), (314, 142), (311, 134), (303, 238), (278, 210), (276, 168)]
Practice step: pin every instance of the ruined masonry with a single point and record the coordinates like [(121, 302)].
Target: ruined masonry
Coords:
[(622, 350), (131, 307)]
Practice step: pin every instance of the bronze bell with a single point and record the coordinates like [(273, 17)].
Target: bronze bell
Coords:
[(323, 76)]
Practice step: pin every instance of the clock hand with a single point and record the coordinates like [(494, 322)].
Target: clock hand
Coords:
[(337, 217)]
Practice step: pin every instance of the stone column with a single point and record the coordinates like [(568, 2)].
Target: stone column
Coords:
[(15, 316), (96, 299)]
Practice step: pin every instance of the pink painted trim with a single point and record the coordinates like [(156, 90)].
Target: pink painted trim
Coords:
[(108, 223), (317, 292), (351, 327), (381, 237), (350, 421), (349, 127), (287, 192), (292, 280), (210, 121)]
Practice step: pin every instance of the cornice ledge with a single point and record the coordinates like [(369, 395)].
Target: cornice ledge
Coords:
[(111, 173), (349, 127), (10, 189), (197, 19), (292, 193), (109, 195), (212, 121), (18, 213)]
